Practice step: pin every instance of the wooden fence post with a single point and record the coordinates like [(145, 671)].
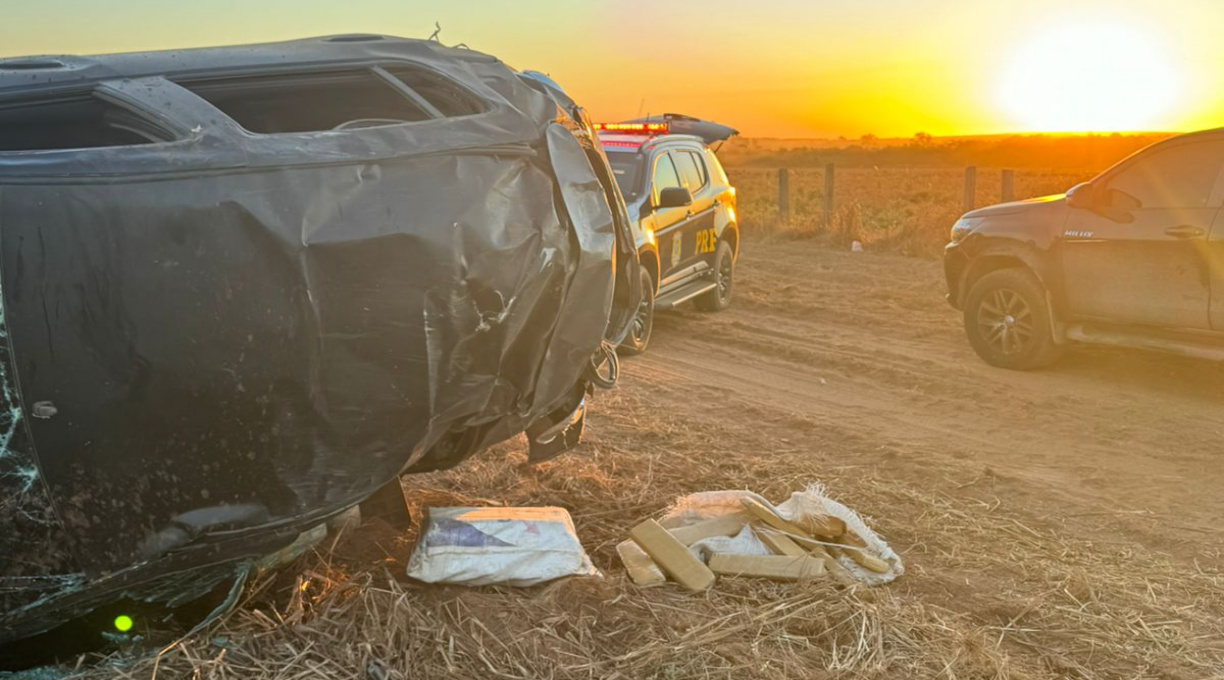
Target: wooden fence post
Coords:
[(970, 187), (1009, 185), (783, 193), (828, 197)]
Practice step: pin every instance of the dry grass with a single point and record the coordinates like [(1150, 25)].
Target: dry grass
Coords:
[(988, 593), (890, 209)]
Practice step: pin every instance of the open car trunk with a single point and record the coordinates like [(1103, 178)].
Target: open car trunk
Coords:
[(709, 131)]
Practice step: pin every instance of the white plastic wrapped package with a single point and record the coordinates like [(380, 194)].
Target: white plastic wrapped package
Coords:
[(745, 542), (811, 501), (507, 546)]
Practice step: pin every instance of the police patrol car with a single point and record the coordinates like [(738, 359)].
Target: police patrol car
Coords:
[(683, 211)]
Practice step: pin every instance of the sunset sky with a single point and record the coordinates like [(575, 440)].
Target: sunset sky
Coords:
[(777, 68)]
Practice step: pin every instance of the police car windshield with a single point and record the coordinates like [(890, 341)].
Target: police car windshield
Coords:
[(627, 168)]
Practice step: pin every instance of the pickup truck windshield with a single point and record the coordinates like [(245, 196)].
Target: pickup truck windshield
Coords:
[(627, 168)]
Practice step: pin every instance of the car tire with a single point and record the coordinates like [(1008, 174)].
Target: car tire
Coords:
[(1007, 319), (643, 322), (724, 272)]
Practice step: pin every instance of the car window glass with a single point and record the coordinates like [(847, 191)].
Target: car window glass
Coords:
[(690, 175), (1177, 177), (626, 170), (447, 97), (718, 168), (79, 121), (665, 175), (702, 171), (308, 102)]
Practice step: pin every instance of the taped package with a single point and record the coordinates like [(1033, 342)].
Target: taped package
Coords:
[(498, 546), (741, 533)]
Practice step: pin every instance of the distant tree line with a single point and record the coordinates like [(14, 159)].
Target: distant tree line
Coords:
[(1080, 152)]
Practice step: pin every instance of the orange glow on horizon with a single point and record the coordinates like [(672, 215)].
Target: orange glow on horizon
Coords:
[(783, 68)]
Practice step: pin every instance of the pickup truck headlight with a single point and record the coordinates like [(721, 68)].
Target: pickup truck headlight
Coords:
[(963, 227)]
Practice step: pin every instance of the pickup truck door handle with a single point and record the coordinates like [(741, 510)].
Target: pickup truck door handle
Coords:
[(1184, 231)]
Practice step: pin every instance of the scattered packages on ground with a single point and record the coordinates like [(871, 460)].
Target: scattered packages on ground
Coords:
[(508, 546), (739, 533)]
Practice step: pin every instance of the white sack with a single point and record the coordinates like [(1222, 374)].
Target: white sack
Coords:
[(812, 500), (510, 546)]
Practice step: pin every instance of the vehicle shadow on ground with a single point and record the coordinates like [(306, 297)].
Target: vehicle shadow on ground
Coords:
[(1144, 371)]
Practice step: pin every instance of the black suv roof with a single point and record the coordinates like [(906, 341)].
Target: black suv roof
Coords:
[(22, 75), (485, 104)]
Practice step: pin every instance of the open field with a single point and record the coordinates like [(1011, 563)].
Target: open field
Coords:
[(1037, 151), (890, 209), (902, 195), (1059, 524)]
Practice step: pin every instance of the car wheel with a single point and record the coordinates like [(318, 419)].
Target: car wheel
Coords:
[(724, 273), (1007, 319), (643, 322)]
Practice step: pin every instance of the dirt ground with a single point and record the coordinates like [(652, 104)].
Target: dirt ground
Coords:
[(867, 354), (1062, 523), (853, 366)]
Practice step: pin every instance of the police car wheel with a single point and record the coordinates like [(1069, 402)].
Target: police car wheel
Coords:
[(724, 275), (643, 323)]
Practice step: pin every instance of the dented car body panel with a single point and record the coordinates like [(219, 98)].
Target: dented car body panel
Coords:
[(215, 338)]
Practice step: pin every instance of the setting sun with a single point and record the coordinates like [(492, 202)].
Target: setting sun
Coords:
[(973, 69), (693, 339), (1090, 76)]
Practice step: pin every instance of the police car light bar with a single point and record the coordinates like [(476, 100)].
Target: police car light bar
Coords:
[(633, 128)]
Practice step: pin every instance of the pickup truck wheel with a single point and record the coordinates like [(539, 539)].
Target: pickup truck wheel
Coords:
[(643, 322), (724, 273), (1007, 319)]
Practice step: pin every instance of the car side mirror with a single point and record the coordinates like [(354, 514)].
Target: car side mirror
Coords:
[(1121, 200), (1118, 206), (1082, 196), (674, 197), (1111, 204)]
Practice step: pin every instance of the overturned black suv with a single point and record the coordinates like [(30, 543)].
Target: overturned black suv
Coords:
[(1133, 258), (244, 288)]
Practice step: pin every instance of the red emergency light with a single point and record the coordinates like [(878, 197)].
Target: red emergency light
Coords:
[(633, 128)]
